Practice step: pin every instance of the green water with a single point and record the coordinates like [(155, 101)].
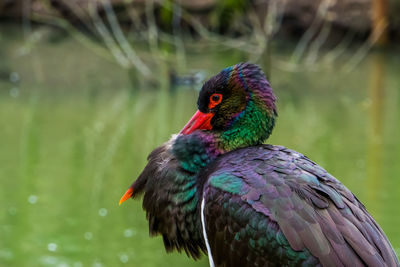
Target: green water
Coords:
[(76, 131)]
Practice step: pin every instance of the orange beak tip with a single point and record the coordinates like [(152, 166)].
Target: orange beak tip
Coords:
[(126, 196)]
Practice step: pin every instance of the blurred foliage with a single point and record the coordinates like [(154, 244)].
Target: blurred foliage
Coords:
[(226, 13), (167, 14)]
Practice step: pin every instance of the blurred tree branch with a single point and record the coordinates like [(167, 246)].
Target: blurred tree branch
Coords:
[(380, 22), (117, 26)]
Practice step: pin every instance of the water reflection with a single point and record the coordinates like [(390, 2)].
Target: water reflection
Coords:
[(376, 126)]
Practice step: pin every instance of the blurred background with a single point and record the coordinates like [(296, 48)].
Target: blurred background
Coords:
[(88, 88)]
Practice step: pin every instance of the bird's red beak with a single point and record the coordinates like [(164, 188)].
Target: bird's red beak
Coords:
[(127, 195), (199, 121)]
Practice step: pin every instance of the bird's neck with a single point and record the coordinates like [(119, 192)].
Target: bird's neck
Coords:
[(249, 128)]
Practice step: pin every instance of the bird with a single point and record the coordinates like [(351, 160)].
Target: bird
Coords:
[(217, 188)]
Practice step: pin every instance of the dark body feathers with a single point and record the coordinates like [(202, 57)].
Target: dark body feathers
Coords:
[(271, 206), (171, 207)]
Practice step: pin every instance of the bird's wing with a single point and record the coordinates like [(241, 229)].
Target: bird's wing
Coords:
[(271, 205)]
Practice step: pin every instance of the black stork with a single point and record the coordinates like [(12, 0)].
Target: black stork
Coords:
[(216, 188)]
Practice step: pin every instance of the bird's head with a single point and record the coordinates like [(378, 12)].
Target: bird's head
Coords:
[(238, 103)]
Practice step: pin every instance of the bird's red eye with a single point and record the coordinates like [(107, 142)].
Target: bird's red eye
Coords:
[(215, 99)]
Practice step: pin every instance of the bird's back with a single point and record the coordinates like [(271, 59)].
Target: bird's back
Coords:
[(269, 205)]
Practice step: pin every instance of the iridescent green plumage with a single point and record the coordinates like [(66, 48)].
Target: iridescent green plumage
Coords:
[(242, 133)]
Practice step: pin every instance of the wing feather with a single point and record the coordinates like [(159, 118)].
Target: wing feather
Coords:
[(277, 207)]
